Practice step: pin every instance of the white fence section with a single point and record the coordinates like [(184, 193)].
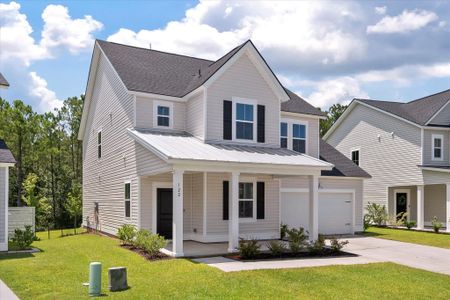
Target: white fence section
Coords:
[(18, 217)]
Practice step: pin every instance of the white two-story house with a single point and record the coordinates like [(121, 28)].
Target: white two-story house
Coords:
[(207, 151), (406, 149)]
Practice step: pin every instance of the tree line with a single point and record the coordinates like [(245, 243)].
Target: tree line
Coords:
[(48, 171)]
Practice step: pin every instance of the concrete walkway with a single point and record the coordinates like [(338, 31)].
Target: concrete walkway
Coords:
[(370, 250), (6, 293)]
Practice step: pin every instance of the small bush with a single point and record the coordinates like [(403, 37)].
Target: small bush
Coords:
[(318, 246), (336, 245), (283, 230), (297, 238), (276, 247), (401, 219), (436, 224), (366, 223), (150, 243), (23, 238), (126, 234), (377, 214), (248, 249), (410, 224)]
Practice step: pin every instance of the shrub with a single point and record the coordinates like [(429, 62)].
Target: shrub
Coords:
[(401, 218), (436, 224), (337, 245), (276, 247), (297, 238), (318, 246), (410, 224), (23, 238), (150, 243), (126, 234), (283, 230), (248, 249), (377, 214), (366, 223)]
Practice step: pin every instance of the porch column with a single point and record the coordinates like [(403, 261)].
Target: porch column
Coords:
[(313, 207), (233, 215), (420, 207), (447, 215), (177, 234)]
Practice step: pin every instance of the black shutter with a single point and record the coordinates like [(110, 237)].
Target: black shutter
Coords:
[(225, 194), (261, 124), (260, 197), (227, 119)]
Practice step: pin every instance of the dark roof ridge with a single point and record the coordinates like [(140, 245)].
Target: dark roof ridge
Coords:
[(154, 50), (377, 100)]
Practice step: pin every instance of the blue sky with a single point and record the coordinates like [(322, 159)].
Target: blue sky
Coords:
[(328, 52)]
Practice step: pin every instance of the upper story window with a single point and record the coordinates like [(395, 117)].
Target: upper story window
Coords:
[(437, 146), (163, 112), (299, 138), (246, 200), (99, 144), (284, 135), (244, 121), (355, 156)]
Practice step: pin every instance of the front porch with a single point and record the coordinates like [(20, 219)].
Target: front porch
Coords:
[(422, 203)]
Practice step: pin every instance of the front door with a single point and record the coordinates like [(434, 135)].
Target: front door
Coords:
[(164, 212), (402, 203)]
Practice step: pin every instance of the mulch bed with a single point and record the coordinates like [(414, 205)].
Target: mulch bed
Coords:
[(287, 255), (159, 256)]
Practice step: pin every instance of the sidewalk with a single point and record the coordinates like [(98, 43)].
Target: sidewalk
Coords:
[(6, 293)]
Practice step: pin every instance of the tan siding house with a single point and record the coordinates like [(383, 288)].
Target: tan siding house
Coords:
[(198, 144)]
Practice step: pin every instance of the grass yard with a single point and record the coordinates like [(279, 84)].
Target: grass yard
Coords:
[(59, 271), (411, 236)]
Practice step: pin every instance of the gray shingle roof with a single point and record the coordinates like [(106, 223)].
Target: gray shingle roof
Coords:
[(5, 155), (3, 80), (162, 73), (343, 166), (418, 111)]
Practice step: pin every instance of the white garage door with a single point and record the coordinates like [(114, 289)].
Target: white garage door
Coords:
[(295, 209), (335, 213)]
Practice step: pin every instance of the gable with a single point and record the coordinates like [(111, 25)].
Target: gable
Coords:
[(442, 117)]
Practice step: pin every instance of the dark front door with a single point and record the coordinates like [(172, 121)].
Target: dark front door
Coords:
[(402, 203), (164, 212)]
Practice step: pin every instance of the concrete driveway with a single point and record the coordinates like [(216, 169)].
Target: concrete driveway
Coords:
[(412, 255)]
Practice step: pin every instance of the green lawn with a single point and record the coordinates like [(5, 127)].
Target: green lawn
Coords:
[(411, 236), (59, 271)]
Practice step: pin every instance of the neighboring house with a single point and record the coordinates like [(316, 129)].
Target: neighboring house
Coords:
[(208, 151), (406, 149), (3, 82), (6, 161)]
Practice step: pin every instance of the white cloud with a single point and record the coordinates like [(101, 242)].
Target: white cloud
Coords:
[(380, 10), (303, 28), (38, 88), (15, 37), (405, 22), (338, 90), (60, 30)]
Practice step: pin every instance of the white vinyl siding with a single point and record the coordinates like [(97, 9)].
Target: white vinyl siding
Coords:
[(242, 80), (195, 116), (3, 208), (112, 110), (391, 160), (145, 114)]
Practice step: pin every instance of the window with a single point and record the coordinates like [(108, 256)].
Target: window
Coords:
[(244, 121), (246, 200), (437, 146), (99, 144), (355, 157), (283, 135), (163, 116), (299, 138), (127, 199)]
